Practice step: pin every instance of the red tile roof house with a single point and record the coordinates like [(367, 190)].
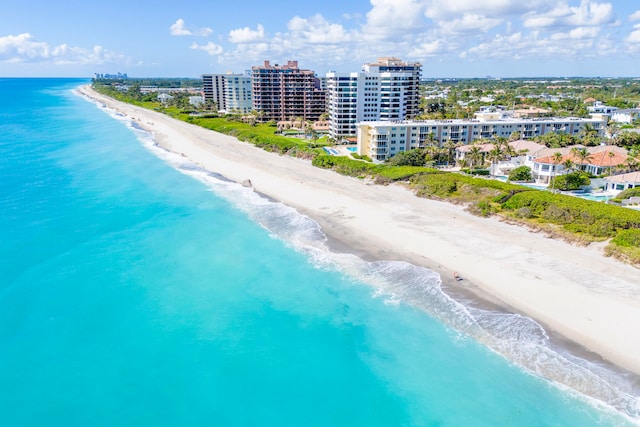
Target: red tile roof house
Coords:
[(601, 160), (524, 150)]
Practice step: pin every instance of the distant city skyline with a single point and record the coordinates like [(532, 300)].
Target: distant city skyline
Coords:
[(451, 38)]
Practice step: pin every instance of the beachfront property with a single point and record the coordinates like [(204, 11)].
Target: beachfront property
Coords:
[(164, 97), (213, 89), (386, 90), (230, 92), (381, 140), (286, 92), (196, 100), (600, 160), (523, 152), (617, 183)]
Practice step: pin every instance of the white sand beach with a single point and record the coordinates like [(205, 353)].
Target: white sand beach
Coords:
[(574, 291)]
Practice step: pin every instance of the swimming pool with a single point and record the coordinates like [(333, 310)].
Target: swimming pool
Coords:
[(331, 151), (591, 196), (352, 149)]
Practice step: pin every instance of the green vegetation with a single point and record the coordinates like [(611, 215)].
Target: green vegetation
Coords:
[(408, 158), (521, 173), (261, 135), (628, 193), (381, 173), (571, 181), (565, 216), (626, 246), (477, 172), (361, 157)]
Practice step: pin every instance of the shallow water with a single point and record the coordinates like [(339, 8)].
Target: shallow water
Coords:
[(141, 290)]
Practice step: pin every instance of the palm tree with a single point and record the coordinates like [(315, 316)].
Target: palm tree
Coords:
[(515, 136), (590, 135), (475, 155), (611, 155), (556, 158), (432, 150), (495, 156), (631, 164), (582, 154), (568, 165), (450, 146), (431, 140), (612, 132)]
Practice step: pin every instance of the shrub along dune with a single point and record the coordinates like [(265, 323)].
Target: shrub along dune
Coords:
[(577, 220)]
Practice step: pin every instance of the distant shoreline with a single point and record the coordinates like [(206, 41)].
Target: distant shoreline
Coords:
[(574, 291)]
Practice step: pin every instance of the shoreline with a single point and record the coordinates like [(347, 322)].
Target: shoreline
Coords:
[(576, 293)]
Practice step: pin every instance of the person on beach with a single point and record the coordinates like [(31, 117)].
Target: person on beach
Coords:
[(456, 276)]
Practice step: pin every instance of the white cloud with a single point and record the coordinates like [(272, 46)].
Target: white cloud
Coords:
[(178, 29), (470, 23), (210, 48), (388, 18), (634, 36), (23, 48), (247, 35), (591, 13), (635, 16), (580, 33), (428, 49), (578, 43), (317, 30), (440, 10), (587, 13), (441, 30)]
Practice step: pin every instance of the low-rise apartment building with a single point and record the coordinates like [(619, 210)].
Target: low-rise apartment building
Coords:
[(381, 140)]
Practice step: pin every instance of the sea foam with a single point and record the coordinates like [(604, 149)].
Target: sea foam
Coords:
[(517, 338)]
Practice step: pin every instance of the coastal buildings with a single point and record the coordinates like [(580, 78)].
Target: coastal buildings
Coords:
[(597, 161), (628, 115), (229, 92), (285, 92), (617, 183), (522, 153), (213, 89), (388, 89), (380, 140), (117, 76)]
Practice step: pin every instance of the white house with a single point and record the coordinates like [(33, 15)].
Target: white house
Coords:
[(601, 159), (164, 97), (196, 101), (599, 107), (617, 183), (625, 116)]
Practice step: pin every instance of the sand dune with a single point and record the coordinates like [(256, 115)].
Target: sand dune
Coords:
[(574, 291)]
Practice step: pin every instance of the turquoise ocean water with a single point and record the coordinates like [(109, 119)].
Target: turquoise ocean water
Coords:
[(138, 290)]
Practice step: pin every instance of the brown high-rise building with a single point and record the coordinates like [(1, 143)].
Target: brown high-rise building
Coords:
[(285, 92)]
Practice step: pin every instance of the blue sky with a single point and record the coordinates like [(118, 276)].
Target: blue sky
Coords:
[(451, 38)]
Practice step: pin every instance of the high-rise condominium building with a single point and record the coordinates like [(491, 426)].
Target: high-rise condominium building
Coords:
[(285, 92), (388, 89), (230, 92)]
